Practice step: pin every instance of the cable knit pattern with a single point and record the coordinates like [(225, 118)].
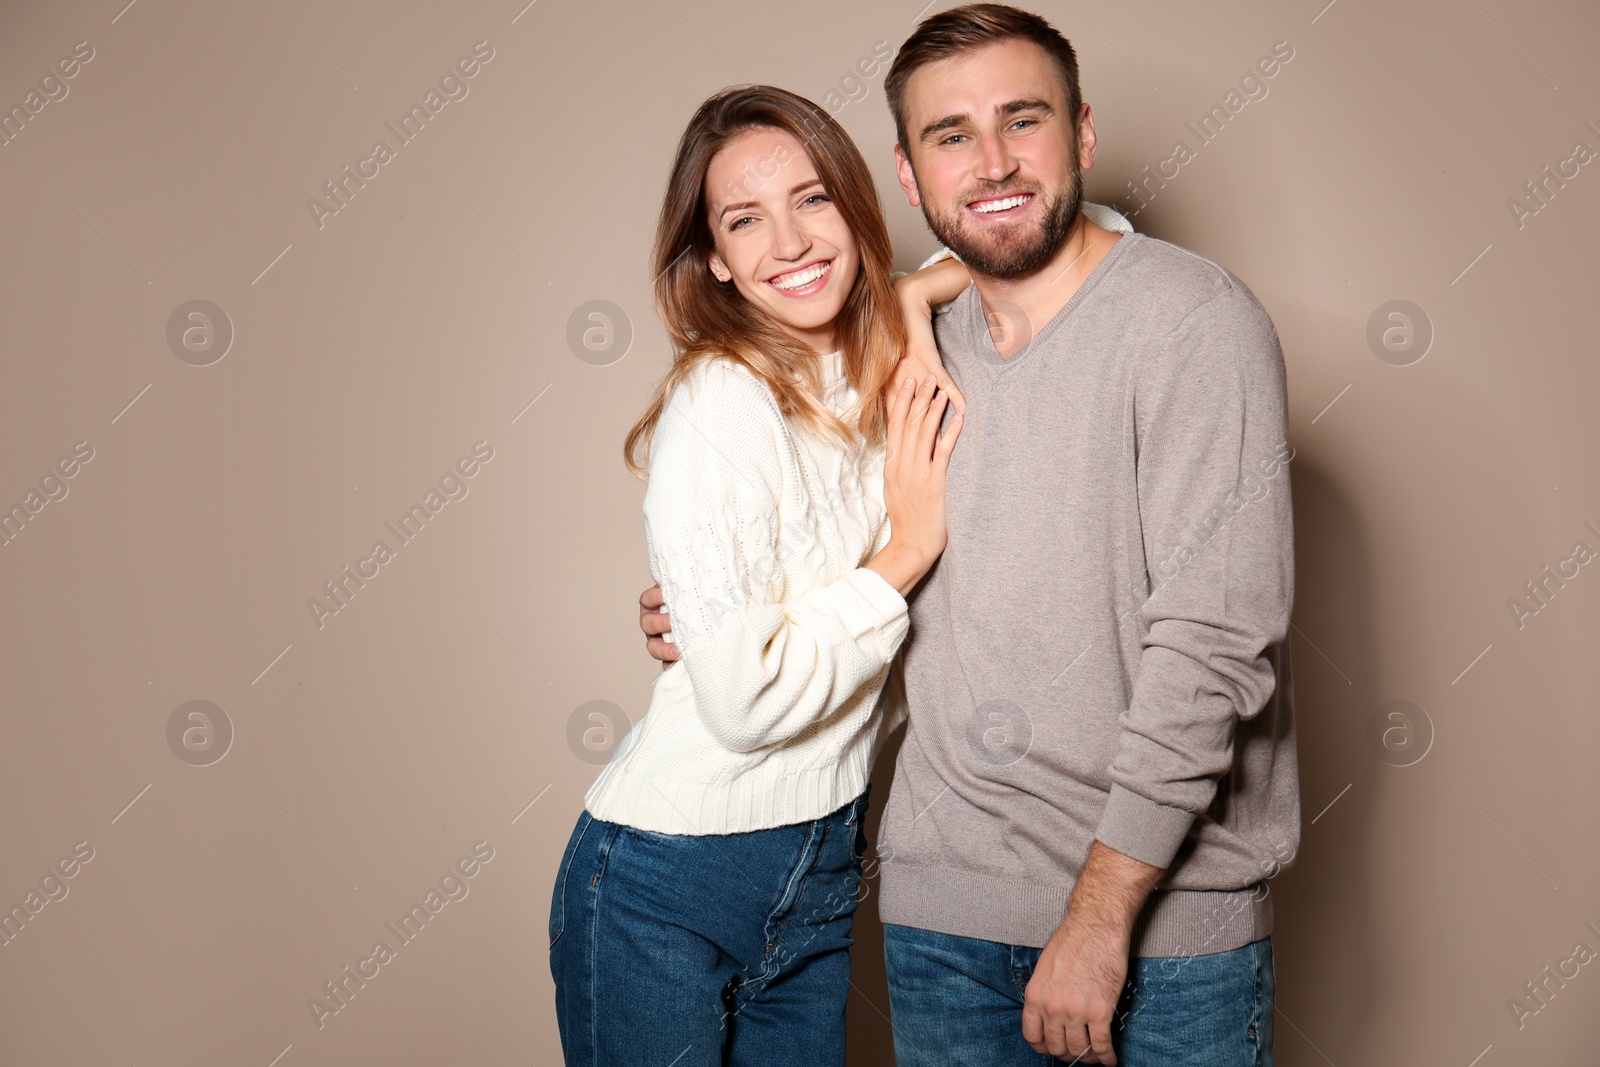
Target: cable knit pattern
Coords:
[(757, 531)]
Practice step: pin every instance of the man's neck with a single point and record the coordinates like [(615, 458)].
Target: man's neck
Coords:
[(1035, 299)]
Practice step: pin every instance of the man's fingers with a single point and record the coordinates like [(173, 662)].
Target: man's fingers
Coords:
[(1075, 1045), (1033, 1027), (1100, 1040), (651, 598)]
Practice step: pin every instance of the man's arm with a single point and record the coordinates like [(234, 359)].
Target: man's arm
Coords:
[(1072, 996), (1214, 506)]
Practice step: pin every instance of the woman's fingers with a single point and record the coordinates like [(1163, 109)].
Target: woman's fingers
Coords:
[(916, 415), (928, 429), (919, 403), (899, 406), (947, 441), (948, 384)]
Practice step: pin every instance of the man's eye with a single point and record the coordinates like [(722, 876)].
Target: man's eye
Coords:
[(953, 138), (1023, 122)]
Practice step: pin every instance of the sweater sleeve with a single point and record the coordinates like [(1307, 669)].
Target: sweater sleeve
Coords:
[(1213, 496), (764, 662)]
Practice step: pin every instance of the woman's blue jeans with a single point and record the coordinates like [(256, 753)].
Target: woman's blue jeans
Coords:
[(673, 950)]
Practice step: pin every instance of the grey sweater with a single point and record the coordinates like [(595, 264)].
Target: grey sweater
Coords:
[(1101, 651)]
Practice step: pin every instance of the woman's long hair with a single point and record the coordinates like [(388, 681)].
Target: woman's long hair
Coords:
[(706, 319)]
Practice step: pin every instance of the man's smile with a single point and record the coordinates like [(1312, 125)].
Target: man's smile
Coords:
[(1005, 207)]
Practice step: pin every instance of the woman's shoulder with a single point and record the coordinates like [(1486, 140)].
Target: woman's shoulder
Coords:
[(720, 404), (721, 383)]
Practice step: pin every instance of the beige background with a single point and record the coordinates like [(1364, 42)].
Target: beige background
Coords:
[(370, 753)]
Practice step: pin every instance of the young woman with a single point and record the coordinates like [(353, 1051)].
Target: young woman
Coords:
[(703, 907)]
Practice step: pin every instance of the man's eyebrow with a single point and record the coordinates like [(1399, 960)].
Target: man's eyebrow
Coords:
[(1008, 108), (1025, 105), (943, 124), (751, 203)]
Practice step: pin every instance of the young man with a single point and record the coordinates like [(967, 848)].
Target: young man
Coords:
[(1098, 774)]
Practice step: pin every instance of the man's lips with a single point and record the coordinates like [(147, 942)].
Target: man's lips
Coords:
[(1001, 207), (812, 277)]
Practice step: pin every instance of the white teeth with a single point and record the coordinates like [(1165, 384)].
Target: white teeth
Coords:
[(804, 278), (1001, 205)]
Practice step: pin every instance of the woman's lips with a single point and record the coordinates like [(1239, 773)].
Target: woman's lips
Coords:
[(822, 271)]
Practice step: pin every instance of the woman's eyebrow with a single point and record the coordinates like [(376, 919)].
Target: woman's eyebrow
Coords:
[(751, 203)]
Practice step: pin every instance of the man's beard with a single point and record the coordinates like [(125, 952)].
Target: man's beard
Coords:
[(1013, 255)]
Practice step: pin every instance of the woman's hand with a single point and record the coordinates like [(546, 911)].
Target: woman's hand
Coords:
[(918, 293), (915, 464)]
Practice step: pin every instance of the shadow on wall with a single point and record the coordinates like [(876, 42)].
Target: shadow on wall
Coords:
[(870, 1038), (1321, 900)]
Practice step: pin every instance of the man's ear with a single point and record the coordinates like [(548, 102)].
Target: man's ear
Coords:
[(1086, 138), (908, 180)]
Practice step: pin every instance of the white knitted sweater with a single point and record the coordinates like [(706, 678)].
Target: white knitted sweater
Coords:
[(757, 531)]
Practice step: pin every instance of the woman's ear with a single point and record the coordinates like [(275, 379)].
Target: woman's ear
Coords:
[(719, 269)]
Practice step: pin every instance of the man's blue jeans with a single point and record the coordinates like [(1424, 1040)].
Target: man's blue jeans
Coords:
[(957, 1001), (691, 951)]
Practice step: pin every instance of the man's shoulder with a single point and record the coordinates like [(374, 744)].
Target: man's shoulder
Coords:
[(1173, 283), (951, 326)]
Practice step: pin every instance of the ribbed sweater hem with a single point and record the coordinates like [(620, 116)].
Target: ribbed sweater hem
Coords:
[(1174, 922), (757, 801)]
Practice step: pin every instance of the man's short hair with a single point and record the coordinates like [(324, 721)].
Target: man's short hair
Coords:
[(965, 29)]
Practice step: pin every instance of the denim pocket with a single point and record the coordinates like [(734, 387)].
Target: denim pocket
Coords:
[(558, 902), (857, 817), (1261, 1019)]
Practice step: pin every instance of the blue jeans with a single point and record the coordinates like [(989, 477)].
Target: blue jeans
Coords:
[(680, 950), (958, 1001)]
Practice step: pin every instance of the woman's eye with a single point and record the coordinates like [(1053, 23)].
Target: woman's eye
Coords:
[(817, 197), (739, 222)]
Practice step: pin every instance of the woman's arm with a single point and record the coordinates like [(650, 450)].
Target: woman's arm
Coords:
[(919, 293), (762, 668)]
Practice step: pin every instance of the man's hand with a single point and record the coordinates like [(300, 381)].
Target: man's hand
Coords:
[(1072, 997), (654, 622)]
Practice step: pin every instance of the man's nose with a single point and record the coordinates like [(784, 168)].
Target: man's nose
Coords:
[(997, 163)]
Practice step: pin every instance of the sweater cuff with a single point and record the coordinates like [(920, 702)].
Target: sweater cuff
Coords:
[(869, 602), (1139, 827)]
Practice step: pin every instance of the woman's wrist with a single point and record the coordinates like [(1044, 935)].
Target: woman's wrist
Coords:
[(912, 292), (901, 565)]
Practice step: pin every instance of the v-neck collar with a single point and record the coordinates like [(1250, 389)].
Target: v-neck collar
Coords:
[(983, 344)]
